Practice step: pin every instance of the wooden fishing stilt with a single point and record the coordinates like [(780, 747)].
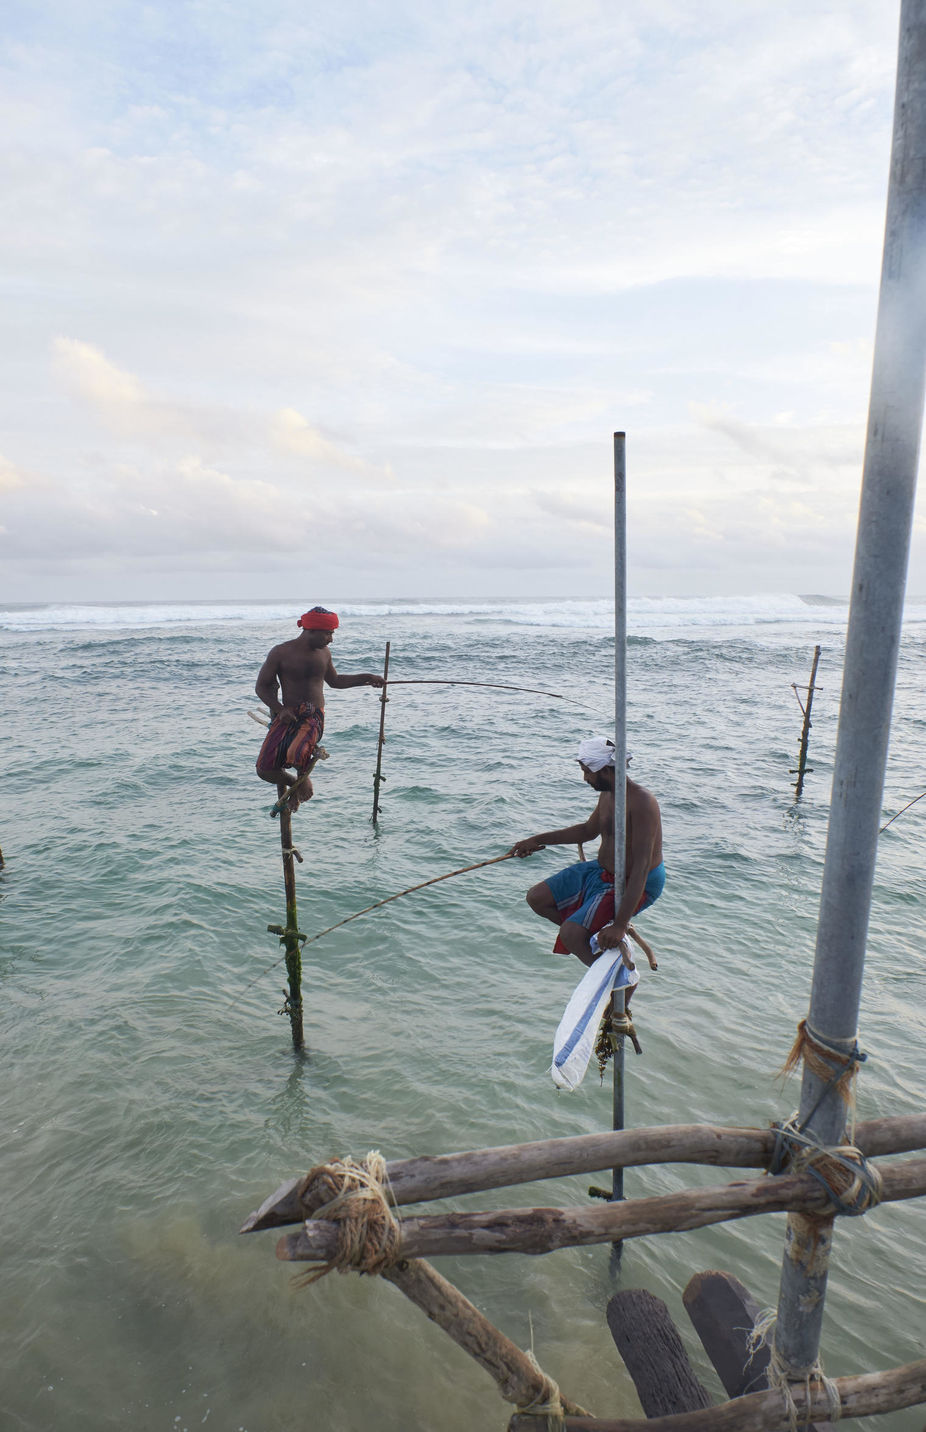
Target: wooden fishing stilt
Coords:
[(378, 776), (805, 730), (290, 937)]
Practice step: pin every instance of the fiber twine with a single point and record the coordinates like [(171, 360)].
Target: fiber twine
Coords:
[(783, 1378), (834, 1067), (352, 1196)]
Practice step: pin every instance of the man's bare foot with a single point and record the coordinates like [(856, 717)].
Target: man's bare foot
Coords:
[(301, 790)]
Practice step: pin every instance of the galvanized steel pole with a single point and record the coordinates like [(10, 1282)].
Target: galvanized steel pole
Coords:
[(620, 754), (875, 616)]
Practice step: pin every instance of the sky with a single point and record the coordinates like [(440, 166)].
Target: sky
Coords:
[(348, 300)]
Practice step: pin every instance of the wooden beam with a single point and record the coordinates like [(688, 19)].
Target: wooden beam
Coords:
[(540, 1230), (863, 1396), (417, 1180), (653, 1353), (517, 1377)]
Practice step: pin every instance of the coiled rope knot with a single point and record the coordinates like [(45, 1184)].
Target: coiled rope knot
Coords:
[(836, 1067), (852, 1184), (352, 1196)]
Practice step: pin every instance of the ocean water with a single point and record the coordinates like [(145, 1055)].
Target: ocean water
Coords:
[(151, 1098)]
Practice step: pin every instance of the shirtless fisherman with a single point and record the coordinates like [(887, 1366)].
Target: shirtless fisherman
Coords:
[(300, 670), (580, 899)]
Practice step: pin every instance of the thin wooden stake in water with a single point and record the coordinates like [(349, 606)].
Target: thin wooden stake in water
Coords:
[(378, 777), (805, 731), (290, 935)]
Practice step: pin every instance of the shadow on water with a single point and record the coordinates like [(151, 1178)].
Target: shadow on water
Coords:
[(291, 1111)]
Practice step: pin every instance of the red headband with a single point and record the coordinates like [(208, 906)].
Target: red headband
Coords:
[(318, 619)]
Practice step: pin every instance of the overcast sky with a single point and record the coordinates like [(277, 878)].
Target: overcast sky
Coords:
[(348, 299)]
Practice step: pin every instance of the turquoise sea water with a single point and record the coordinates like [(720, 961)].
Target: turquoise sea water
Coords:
[(151, 1098)]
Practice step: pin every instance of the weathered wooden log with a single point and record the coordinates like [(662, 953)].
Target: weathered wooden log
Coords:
[(653, 1353), (517, 1377), (540, 1230), (450, 1175), (862, 1396), (724, 1313)]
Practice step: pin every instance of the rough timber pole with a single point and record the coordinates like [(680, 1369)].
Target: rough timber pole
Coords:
[(290, 936), (875, 615), (378, 776), (620, 753)]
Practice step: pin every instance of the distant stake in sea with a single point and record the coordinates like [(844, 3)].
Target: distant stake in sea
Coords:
[(805, 729)]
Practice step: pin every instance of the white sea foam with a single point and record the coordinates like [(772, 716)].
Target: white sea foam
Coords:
[(660, 617)]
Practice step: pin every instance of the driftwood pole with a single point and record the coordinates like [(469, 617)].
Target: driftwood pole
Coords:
[(875, 617), (378, 776), (620, 761), (290, 934), (805, 729)]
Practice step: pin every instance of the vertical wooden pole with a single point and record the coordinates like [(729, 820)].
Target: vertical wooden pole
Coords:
[(805, 730), (378, 777), (620, 759), (293, 1006)]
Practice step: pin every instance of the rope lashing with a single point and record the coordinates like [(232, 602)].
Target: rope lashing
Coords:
[(353, 1197), (851, 1183), (782, 1376), (547, 1405), (834, 1066)]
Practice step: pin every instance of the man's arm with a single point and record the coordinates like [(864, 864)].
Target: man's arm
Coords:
[(268, 685), (569, 835), (342, 683)]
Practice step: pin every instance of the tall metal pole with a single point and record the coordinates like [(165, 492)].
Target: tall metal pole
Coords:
[(875, 616), (620, 755)]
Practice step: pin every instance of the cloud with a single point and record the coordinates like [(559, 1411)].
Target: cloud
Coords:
[(91, 375), (290, 432)]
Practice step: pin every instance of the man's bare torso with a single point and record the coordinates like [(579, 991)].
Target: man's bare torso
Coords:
[(643, 820), (301, 671)]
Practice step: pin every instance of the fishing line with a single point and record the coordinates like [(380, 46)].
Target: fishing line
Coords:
[(367, 908), (496, 686)]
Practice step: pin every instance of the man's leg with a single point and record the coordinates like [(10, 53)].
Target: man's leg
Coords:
[(540, 899), (576, 939)]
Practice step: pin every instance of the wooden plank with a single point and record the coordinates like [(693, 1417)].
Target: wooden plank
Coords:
[(724, 1313), (862, 1396), (654, 1355), (450, 1175), (540, 1230)]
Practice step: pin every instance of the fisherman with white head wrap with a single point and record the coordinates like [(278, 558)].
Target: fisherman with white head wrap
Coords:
[(580, 899)]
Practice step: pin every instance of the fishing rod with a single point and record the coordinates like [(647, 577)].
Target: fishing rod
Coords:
[(367, 908), (901, 811)]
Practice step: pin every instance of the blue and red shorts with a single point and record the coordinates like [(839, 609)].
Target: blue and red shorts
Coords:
[(584, 893)]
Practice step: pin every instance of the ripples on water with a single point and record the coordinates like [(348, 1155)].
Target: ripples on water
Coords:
[(152, 1100)]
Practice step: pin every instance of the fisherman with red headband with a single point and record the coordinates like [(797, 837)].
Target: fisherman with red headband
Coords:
[(298, 671)]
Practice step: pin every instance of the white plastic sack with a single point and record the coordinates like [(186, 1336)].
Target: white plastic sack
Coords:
[(578, 1028)]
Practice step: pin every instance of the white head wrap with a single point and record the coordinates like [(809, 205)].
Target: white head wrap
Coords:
[(596, 753)]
